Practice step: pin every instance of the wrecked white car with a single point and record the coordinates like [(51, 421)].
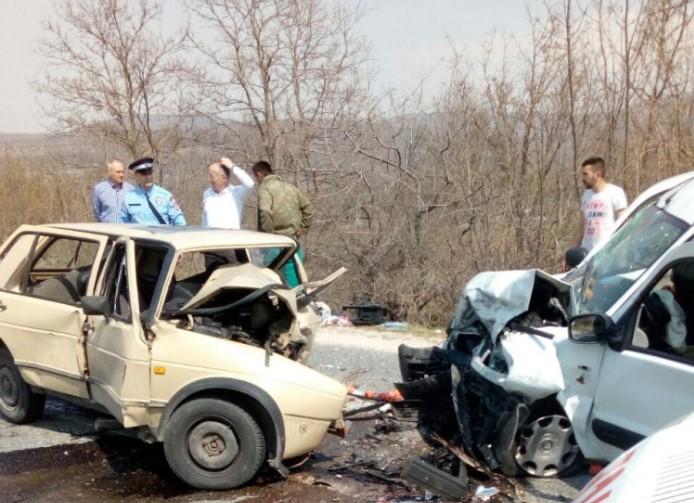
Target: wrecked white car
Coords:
[(188, 336), (544, 371)]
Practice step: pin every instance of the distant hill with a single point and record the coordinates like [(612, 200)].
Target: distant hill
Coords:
[(77, 151)]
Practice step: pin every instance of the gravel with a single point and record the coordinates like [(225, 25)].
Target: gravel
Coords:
[(362, 356)]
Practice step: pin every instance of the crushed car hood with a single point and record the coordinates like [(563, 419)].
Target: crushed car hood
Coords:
[(498, 297), (499, 358), (246, 276)]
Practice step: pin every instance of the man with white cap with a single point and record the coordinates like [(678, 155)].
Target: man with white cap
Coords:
[(148, 203)]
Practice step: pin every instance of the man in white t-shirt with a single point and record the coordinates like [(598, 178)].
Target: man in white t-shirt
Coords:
[(601, 205), (222, 203)]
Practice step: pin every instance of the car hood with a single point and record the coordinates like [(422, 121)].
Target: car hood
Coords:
[(244, 277), (507, 320), (500, 357), (497, 297)]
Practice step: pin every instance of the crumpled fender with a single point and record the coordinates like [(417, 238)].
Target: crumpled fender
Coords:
[(524, 355)]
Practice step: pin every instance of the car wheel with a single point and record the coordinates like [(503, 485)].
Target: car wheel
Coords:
[(213, 444), (546, 447), (18, 404)]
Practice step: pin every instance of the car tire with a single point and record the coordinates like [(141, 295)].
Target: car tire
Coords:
[(545, 445), (18, 404), (213, 444)]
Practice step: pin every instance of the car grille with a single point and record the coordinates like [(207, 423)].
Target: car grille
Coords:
[(676, 480)]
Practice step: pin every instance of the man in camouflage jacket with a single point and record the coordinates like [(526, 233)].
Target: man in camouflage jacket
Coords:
[(282, 209)]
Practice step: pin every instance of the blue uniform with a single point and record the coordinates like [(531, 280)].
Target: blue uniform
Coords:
[(137, 210)]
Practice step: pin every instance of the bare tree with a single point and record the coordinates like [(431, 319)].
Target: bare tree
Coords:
[(665, 36), (290, 68), (110, 74), (414, 193)]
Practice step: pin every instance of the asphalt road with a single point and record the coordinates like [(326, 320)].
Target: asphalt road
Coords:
[(62, 458)]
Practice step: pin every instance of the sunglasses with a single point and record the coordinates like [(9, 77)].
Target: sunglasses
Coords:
[(145, 172)]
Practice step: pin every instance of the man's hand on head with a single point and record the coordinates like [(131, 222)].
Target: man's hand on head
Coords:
[(226, 162)]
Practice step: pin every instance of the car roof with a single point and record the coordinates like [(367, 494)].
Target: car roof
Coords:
[(189, 237), (680, 202)]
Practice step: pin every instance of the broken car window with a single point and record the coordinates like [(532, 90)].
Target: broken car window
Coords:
[(629, 253)]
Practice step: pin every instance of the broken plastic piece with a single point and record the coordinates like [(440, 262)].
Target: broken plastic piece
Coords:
[(488, 455), (339, 428), (437, 481), (385, 408), (483, 493)]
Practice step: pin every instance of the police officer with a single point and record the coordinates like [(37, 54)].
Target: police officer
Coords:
[(148, 203)]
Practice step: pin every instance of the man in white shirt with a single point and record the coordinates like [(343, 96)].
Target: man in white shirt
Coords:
[(222, 203), (601, 205)]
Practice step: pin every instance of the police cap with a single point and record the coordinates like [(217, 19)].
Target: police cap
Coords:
[(142, 164)]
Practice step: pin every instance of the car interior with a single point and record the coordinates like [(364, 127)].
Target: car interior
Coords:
[(655, 317), (61, 269)]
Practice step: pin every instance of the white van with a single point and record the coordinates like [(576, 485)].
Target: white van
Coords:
[(547, 371)]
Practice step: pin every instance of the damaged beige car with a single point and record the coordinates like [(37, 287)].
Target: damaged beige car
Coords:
[(189, 336)]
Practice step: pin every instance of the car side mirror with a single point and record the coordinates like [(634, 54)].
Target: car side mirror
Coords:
[(95, 305), (591, 328)]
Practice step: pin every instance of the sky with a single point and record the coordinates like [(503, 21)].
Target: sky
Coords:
[(410, 41)]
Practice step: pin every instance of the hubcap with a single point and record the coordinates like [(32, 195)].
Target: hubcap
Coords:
[(212, 445), (9, 392), (547, 446)]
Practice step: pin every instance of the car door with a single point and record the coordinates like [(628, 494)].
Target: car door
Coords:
[(44, 273), (646, 380), (117, 349)]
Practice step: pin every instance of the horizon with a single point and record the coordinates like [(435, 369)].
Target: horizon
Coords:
[(401, 62)]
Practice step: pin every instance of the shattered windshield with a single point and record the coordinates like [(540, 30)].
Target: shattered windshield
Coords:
[(628, 254)]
